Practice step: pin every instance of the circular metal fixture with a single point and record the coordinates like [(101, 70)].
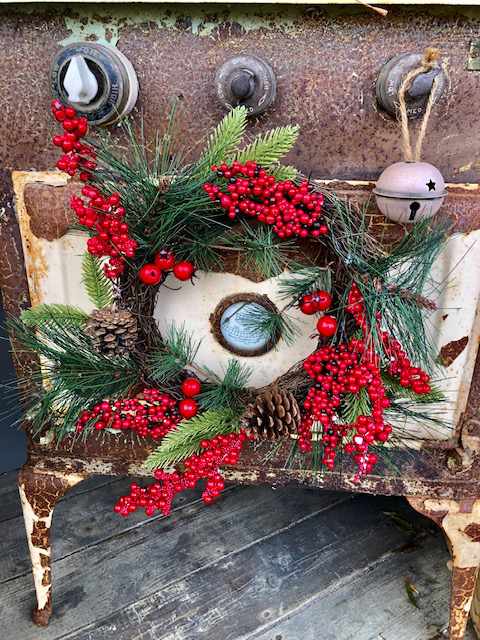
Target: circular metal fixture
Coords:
[(236, 324), (248, 81), (390, 80), (410, 191), (97, 80)]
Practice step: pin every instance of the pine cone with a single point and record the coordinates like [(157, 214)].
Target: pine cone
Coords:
[(113, 332), (275, 414)]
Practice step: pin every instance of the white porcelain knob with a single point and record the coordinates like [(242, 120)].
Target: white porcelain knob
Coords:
[(79, 83)]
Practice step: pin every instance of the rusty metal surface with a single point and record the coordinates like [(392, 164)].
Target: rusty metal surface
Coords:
[(326, 60)]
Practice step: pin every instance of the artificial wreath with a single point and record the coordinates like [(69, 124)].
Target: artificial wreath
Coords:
[(155, 221)]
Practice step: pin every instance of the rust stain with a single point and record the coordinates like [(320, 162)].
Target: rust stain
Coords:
[(48, 208), (35, 262), (473, 531), (450, 352)]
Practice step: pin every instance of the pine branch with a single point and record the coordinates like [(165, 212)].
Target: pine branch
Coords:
[(177, 352), (97, 285), (267, 149), (231, 391), (271, 325), (62, 313), (262, 251), (303, 279), (223, 141), (355, 405), (283, 172), (185, 439)]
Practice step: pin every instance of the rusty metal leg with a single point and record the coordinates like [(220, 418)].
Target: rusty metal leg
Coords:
[(39, 492), (475, 610), (460, 520)]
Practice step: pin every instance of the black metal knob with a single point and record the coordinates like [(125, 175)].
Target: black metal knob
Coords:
[(242, 85), (422, 84), (246, 80)]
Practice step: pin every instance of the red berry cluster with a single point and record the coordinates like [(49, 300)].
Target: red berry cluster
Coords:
[(219, 451), (105, 215), (400, 366), (77, 155), (155, 272), (338, 371), (292, 210), (151, 413), (314, 302)]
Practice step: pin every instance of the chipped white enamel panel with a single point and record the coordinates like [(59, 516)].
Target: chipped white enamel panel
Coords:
[(54, 275)]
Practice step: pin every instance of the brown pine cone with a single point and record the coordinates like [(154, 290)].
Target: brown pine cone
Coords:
[(113, 333), (273, 415)]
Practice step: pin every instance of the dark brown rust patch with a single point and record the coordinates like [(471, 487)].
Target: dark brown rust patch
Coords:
[(450, 352), (42, 491), (473, 531), (41, 616), (49, 208), (40, 535), (44, 560)]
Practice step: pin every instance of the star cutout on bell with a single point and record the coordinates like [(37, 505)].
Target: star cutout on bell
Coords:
[(431, 185)]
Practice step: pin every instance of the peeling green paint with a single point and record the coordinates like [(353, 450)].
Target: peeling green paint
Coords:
[(104, 24)]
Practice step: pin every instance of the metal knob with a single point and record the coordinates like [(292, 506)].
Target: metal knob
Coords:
[(246, 80), (97, 80), (391, 77)]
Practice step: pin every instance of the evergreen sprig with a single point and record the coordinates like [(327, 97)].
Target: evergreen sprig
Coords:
[(303, 279), (229, 391), (354, 405), (270, 147), (271, 324), (176, 353), (223, 141), (98, 287), (185, 439), (73, 373), (262, 251), (395, 390), (61, 313)]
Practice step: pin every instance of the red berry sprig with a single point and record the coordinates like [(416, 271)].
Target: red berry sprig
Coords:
[(164, 263), (219, 451), (77, 155), (102, 214), (151, 413), (410, 377), (105, 215), (314, 302), (249, 190), (338, 371)]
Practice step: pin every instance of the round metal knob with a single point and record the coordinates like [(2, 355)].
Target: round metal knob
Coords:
[(97, 80), (243, 84), (391, 77), (248, 81)]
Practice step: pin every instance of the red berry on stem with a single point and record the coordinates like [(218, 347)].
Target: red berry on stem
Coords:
[(188, 408), (322, 300), (165, 260), (307, 307), (150, 274), (327, 326), (191, 387), (183, 270)]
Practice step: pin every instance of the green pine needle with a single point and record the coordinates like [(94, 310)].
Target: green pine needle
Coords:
[(271, 324), (62, 313), (267, 149), (223, 141), (303, 279), (230, 391), (185, 439), (97, 285), (395, 390), (178, 350), (262, 251), (283, 172), (355, 405)]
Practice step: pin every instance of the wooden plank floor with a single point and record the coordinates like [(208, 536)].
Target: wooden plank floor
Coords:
[(263, 564)]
